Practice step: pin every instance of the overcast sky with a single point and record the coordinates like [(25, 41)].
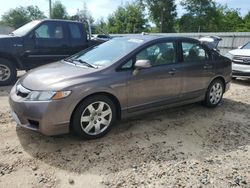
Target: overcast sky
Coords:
[(102, 8)]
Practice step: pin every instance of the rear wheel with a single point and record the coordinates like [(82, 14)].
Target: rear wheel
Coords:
[(8, 72), (94, 117), (214, 93)]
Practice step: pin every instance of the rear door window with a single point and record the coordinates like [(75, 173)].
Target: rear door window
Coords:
[(74, 31), (193, 52)]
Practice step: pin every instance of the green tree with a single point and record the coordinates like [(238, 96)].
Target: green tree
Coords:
[(232, 21), (247, 22), (163, 13), (127, 19), (21, 15), (59, 11), (201, 16), (34, 13), (83, 15), (100, 27)]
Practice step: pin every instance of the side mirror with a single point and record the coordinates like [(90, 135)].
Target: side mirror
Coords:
[(143, 64), (239, 47)]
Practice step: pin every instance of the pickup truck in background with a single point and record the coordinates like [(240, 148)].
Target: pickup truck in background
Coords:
[(40, 42)]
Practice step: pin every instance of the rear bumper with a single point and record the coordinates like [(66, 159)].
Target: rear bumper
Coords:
[(46, 117)]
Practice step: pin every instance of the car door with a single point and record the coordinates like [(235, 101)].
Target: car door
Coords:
[(157, 85), (197, 69), (47, 43)]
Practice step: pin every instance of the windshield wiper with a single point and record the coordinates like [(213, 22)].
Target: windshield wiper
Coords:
[(84, 62), (80, 61)]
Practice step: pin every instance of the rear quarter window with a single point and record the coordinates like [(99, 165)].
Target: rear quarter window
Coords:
[(75, 31)]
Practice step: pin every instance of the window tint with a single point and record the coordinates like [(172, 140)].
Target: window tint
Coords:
[(75, 31), (158, 54), (193, 52), (49, 30)]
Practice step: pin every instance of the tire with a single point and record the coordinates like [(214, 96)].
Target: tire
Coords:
[(94, 117), (8, 72), (214, 93)]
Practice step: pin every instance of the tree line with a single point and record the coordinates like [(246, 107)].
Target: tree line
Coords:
[(146, 16)]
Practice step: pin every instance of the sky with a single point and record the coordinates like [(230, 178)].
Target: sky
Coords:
[(102, 8)]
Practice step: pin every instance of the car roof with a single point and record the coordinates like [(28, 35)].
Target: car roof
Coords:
[(148, 38), (60, 20)]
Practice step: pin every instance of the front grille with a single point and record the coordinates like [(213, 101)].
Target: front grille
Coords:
[(245, 60), (22, 91)]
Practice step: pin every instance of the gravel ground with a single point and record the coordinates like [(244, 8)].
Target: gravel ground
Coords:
[(190, 146)]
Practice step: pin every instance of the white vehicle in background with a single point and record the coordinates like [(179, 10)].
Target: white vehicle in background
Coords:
[(240, 61)]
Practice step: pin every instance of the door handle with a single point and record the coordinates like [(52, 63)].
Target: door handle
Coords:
[(172, 71), (207, 66)]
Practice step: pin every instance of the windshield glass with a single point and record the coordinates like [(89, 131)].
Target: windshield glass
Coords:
[(107, 53), (247, 46), (21, 31)]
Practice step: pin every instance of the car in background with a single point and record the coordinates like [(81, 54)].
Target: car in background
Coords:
[(120, 78), (240, 61), (40, 42)]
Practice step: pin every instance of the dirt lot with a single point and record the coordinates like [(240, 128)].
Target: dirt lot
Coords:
[(182, 147)]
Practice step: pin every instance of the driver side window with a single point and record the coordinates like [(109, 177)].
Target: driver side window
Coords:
[(49, 30), (42, 31), (158, 54)]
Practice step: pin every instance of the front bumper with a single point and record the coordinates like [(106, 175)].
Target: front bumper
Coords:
[(46, 117), (241, 70)]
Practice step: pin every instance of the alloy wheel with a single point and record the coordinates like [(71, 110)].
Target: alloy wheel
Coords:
[(96, 118), (5, 73), (216, 93)]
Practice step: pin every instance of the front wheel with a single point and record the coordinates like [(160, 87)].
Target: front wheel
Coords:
[(94, 117), (214, 93), (8, 72)]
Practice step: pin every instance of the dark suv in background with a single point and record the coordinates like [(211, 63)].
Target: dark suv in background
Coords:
[(40, 42)]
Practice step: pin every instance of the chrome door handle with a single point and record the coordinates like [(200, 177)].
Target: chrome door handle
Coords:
[(208, 66), (172, 71)]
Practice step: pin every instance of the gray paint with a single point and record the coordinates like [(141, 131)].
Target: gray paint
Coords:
[(151, 89)]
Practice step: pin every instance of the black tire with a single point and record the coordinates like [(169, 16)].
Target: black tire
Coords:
[(6, 64), (76, 123), (208, 100)]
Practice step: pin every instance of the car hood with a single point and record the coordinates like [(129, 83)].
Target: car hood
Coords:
[(57, 76), (240, 52)]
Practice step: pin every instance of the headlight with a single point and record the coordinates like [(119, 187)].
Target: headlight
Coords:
[(228, 55), (47, 95)]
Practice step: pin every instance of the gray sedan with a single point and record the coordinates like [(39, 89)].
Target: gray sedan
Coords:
[(88, 92)]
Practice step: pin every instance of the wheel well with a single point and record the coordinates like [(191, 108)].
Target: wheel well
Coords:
[(110, 96), (11, 59), (223, 81)]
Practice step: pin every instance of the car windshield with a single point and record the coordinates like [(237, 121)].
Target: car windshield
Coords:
[(21, 31), (247, 46), (107, 53)]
